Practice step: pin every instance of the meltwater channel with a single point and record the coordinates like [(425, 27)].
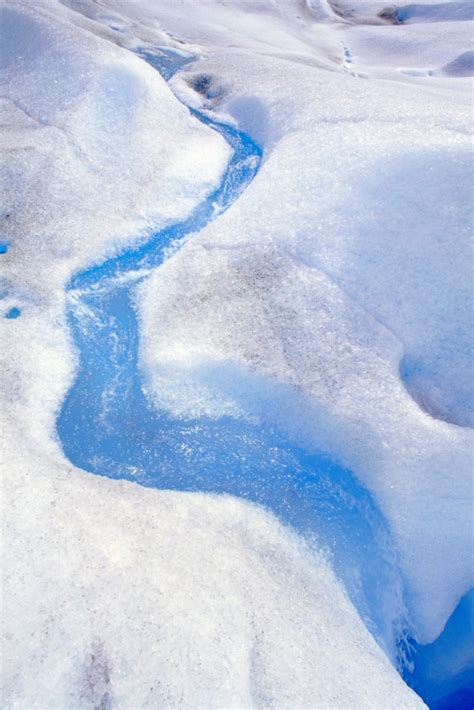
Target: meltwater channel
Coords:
[(108, 426)]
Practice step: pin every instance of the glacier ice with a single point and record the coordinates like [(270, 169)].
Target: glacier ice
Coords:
[(330, 306)]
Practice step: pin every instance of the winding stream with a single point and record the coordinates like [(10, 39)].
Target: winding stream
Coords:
[(108, 426)]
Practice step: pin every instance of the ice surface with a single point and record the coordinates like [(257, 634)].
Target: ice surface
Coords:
[(320, 306), (114, 594)]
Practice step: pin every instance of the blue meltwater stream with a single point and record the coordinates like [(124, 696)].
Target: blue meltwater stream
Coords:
[(108, 426)]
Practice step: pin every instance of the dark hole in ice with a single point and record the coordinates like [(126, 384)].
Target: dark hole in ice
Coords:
[(206, 85), (390, 14), (201, 83)]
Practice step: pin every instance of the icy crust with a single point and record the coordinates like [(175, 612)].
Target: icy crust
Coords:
[(125, 597), (89, 162), (344, 271)]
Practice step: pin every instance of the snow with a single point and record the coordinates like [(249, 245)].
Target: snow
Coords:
[(331, 302)]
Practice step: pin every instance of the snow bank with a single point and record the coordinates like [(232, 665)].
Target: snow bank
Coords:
[(344, 271)]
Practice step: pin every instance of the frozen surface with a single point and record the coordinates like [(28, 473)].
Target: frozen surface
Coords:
[(331, 306)]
